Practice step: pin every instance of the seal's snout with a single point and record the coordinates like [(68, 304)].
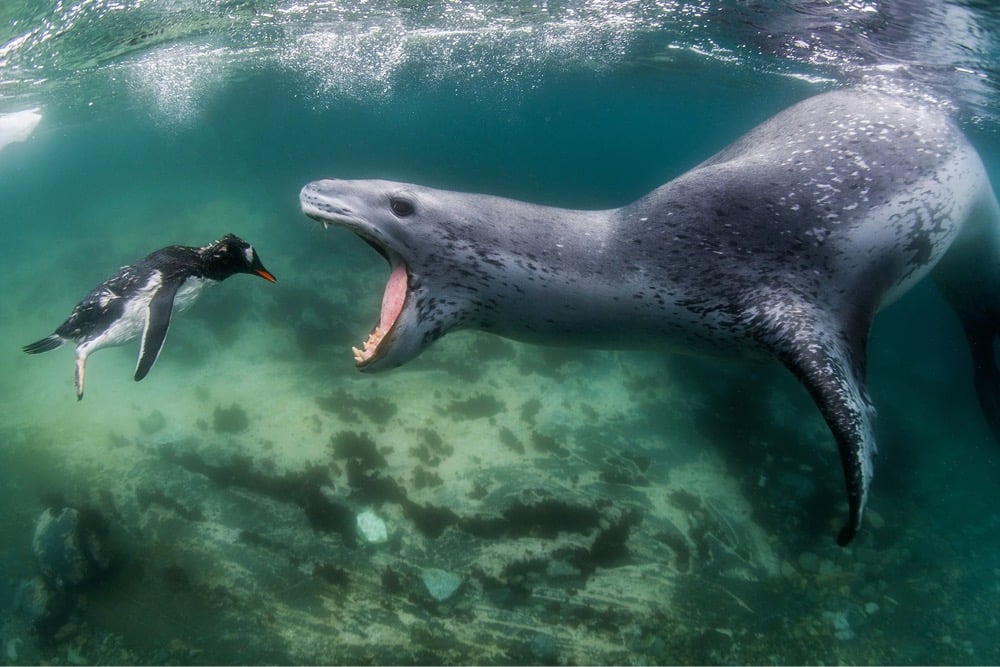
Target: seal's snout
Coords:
[(321, 183), (322, 188), (319, 202), (307, 199), (311, 193)]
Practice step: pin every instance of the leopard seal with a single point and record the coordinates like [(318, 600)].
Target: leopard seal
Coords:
[(784, 244)]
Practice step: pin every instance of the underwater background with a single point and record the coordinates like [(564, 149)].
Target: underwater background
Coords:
[(255, 499)]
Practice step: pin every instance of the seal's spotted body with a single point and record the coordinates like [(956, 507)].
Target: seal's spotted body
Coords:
[(786, 244)]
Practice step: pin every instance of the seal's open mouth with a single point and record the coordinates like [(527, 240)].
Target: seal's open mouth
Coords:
[(393, 300), (396, 289)]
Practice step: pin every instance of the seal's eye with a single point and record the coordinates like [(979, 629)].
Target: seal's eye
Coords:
[(401, 207)]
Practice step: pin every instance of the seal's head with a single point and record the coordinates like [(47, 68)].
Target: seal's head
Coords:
[(393, 218)]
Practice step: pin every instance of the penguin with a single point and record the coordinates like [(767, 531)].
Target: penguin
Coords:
[(140, 297)]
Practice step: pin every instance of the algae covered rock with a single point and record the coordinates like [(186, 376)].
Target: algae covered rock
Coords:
[(441, 584), (372, 528), (70, 546)]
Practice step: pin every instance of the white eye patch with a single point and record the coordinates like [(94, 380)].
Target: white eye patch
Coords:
[(248, 253)]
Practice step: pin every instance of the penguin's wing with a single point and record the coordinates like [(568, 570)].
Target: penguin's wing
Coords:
[(157, 323)]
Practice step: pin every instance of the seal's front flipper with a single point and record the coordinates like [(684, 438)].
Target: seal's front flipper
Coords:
[(969, 278), (157, 323), (829, 359), (985, 374)]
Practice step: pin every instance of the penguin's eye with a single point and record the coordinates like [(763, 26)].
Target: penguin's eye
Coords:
[(401, 207)]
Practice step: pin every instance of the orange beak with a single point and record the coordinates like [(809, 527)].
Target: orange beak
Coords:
[(266, 275)]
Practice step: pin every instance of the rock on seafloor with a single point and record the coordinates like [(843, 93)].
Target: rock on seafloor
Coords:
[(440, 583), (372, 528), (544, 648), (69, 546)]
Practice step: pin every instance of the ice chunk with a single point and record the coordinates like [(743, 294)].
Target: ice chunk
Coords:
[(18, 126)]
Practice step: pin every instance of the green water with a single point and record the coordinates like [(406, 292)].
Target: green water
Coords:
[(597, 507)]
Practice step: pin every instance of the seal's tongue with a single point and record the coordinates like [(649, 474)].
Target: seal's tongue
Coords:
[(393, 298)]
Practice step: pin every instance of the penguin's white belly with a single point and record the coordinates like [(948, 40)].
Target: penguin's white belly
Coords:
[(133, 318), (132, 322), (189, 292)]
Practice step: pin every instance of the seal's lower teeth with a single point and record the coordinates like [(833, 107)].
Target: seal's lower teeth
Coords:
[(371, 345)]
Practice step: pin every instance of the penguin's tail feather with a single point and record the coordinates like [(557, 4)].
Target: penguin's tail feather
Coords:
[(44, 345)]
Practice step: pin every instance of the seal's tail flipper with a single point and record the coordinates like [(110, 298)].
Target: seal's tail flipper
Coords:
[(829, 359), (842, 398), (46, 344)]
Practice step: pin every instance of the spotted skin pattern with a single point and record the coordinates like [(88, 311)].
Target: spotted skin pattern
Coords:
[(785, 244)]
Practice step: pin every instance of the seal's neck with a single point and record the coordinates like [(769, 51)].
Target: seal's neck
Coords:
[(561, 275)]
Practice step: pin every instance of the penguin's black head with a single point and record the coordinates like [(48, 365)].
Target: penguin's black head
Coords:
[(231, 255)]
